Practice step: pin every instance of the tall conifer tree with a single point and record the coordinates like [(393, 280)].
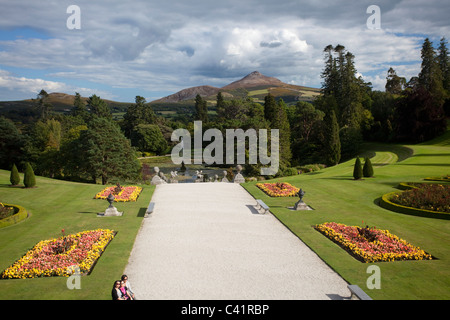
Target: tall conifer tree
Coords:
[(332, 147)]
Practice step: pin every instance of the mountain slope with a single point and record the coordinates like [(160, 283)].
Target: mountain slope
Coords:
[(255, 85), (252, 80)]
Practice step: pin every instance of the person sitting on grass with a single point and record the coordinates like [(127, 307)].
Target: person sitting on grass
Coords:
[(116, 292), (125, 294), (128, 286)]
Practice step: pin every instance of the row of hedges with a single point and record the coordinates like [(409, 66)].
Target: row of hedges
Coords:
[(19, 215), (387, 204)]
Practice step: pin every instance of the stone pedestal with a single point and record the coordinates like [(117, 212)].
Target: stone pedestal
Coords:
[(110, 212), (300, 205), (157, 180)]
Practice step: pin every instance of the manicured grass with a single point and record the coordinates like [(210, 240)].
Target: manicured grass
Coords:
[(336, 197), (55, 205), (332, 192)]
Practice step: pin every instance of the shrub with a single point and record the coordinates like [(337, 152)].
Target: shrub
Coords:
[(29, 180), (357, 170), (367, 169), (289, 172), (14, 178)]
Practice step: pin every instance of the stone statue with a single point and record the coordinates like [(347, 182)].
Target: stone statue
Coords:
[(156, 178), (239, 178)]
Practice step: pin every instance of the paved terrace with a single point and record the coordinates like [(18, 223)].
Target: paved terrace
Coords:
[(206, 241)]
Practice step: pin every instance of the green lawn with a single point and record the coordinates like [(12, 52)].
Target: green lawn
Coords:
[(333, 194), (55, 205), (336, 197)]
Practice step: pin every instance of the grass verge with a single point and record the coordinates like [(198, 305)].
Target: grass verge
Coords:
[(56, 205)]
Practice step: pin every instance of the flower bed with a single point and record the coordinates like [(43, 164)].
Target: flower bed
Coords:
[(371, 244), (130, 193), (54, 257), (19, 214), (434, 197), (279, 189)]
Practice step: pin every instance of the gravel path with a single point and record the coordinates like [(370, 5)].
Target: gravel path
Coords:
[(206, 241)]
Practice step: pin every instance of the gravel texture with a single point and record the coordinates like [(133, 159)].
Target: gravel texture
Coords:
[(205, 241)]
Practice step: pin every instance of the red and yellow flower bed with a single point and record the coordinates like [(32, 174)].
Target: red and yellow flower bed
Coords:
[(371, 244), (433, 197), (54, 257), (130, 193), (279, 189)]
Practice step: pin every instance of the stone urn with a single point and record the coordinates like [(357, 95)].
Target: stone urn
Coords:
[(110, 199), (300, 205)]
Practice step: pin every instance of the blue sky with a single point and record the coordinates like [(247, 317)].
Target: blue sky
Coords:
[(156, 48)]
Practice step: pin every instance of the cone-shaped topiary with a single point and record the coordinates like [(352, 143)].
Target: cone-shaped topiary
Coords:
[(29, 180), (14, 178), (357, 170), (367, 169)]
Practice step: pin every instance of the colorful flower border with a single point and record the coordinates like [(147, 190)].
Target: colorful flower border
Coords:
[(83, 251), (129, 193), (386, 247), (278, 189)]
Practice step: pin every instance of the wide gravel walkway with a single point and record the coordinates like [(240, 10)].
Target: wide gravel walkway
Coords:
[(206, 241)]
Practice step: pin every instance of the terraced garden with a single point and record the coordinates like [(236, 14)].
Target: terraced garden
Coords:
[(331, 192)]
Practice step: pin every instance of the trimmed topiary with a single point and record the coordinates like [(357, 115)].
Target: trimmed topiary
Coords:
[(367, 169), (14, 178), (29, 180), (357, 170)]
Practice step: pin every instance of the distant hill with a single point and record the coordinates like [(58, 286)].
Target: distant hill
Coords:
[(255, 85), (252, 80), (61, 102)]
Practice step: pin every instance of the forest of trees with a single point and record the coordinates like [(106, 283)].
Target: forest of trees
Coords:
[(88, 144)]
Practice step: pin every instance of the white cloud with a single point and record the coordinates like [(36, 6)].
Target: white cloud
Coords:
[(169, 45), (10, 85)]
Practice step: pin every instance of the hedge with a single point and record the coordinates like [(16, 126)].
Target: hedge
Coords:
[(441, 179), (387, 204), (20, 215)]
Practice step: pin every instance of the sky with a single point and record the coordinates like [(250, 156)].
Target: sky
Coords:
[(121, 49)]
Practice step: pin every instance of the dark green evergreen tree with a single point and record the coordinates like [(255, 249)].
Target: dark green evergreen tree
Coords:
[(394, 83), (14, 178), (332, 143), (367, 168), (29, 179), (357, 169), (79, 108), (281, 122), (430, 76), (99, 107), (420, 114), (12, 143), (42, 105), (138, 113), (102, 151), (220, 106), (444, 64), (148, 138), (201, 109), (270, 107)]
